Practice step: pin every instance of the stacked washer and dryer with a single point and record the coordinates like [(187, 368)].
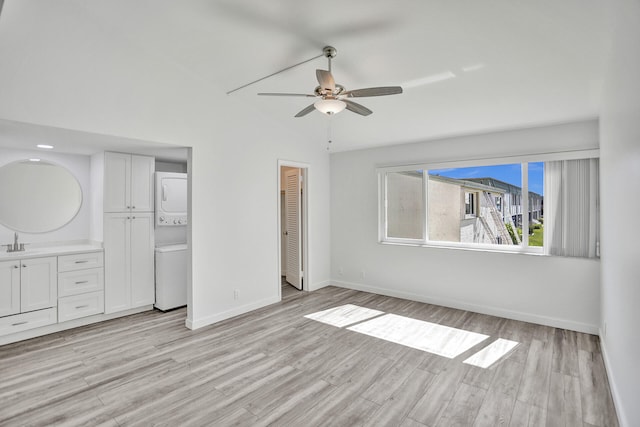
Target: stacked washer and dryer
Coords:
[(171, 233)]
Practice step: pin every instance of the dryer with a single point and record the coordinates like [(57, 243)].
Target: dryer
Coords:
[(171, 199)]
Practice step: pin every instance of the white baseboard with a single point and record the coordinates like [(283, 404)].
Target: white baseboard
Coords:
[(612, 384), (236, 311), (320, 285), (493, 311)]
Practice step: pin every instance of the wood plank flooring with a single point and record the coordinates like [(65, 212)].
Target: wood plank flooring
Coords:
[(275, 367)]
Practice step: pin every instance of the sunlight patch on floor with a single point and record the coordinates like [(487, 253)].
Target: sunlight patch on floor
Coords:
[(344, 315), (491, 353), (438, 339)]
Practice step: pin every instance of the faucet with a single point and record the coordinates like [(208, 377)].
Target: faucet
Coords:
[(15, 247)]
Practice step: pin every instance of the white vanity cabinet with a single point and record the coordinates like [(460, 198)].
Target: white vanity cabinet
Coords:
[(9, 287), (37, 291), (80, 285), (38, 283), (129, 260), (128, 182), (28, 293), (27, 285)]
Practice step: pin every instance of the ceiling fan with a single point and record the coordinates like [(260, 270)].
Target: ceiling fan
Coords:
[(332, 98)]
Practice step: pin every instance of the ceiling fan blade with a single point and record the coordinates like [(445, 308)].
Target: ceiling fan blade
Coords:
[(357, 108), (326, 80), (373, 91), (287, 94), (306, 111)]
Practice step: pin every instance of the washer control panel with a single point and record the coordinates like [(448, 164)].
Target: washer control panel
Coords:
[(172, 220)]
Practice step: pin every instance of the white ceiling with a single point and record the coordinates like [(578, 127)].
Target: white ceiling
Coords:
[(516, 64)]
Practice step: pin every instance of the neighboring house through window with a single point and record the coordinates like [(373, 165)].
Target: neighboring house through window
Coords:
[(479, 206)]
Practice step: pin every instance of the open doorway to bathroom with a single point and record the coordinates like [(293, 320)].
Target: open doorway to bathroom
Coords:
[(292, 233)]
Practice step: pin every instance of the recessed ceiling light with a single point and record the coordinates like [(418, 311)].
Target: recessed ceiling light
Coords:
[(34, 160), (47, 146), (433, 78)]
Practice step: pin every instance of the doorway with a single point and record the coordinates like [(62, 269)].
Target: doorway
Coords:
[(292, 230)]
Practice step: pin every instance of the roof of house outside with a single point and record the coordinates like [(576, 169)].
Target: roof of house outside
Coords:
[(472, 184), (509, 188)]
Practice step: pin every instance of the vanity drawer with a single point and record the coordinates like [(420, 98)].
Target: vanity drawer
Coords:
[(26, 321), (80, 282), (77, 306), (80, 261)]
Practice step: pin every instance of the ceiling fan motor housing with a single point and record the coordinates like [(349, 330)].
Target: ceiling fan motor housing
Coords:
[(329, 51), (319, 91)]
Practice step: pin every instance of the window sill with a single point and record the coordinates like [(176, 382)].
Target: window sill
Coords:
[(507, 249)]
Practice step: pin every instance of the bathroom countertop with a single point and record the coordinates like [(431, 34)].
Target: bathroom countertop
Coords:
[(42, 251)]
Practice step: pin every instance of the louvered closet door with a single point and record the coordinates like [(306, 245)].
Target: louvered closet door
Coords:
[(293, 227)]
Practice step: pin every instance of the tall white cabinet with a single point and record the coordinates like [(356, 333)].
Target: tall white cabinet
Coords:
[(128, 231), (128, 184)]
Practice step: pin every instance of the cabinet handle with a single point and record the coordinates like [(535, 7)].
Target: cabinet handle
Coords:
[(128, 207), (81, 282), (82, 261), (19, 323), (82, 306), (24, 265), (16, 266), (133, 217)]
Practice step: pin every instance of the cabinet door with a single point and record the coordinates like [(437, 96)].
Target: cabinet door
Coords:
[(117, 182), (142, 169), (117, 256), (38, 283), (142, 260), (9, 287)]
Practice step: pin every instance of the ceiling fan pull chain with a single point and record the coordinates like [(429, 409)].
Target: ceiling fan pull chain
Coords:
[(329, 141)]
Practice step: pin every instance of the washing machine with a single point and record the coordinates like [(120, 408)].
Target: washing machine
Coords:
[(171, 276)]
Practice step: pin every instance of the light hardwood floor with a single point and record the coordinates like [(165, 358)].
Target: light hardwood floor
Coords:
[(288, 290), (275, 367)]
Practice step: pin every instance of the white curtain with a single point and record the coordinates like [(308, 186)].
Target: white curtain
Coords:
[(571, 208)]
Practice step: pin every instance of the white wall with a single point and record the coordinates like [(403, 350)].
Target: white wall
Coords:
[(620, 175), (235, 217), (107, 80), (79, 166), (550, 290)]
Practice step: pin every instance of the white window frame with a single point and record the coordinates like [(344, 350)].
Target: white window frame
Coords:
[(524, 160)]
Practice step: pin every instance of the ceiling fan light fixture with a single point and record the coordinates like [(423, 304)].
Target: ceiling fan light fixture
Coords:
[(330, 106)]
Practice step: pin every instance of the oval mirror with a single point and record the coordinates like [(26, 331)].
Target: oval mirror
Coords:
[(37, 196)]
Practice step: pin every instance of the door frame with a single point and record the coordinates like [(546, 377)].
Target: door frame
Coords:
[(305, 171)]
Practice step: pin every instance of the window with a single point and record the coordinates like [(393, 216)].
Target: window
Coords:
[(404, 205), (536, 191), (486, 206), (462, 204), (470, 204)]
